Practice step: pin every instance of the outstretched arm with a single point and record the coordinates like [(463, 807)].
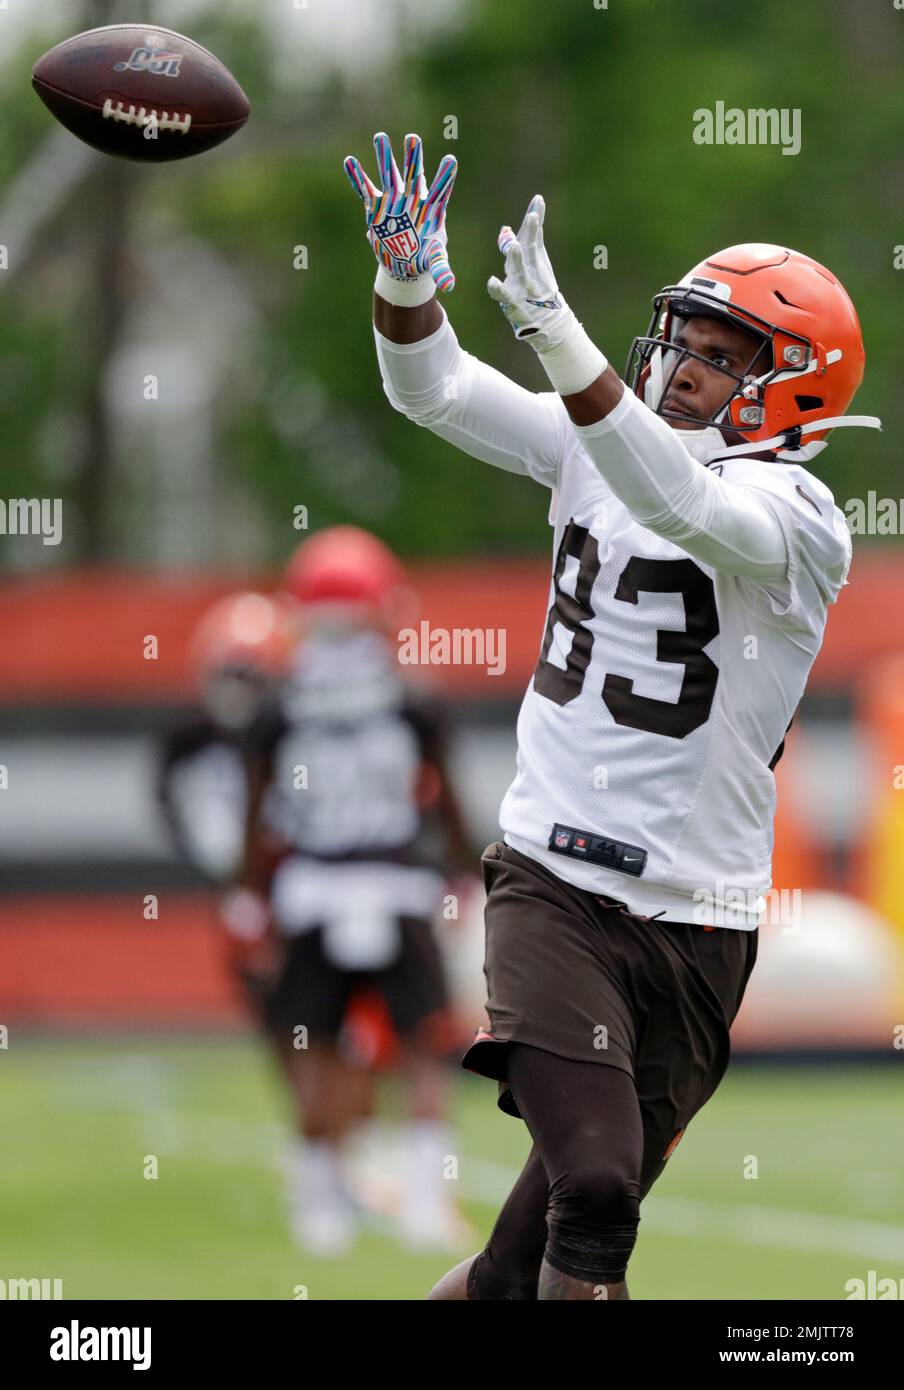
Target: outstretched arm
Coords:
[(399, 324), (426, 374), (731, 526)]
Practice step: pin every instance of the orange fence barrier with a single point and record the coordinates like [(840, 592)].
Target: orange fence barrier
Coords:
[(81, 636), (70, 961)]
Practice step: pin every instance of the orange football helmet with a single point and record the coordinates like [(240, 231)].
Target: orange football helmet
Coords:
[(244, 632), (345, 570), (240, 651), (807, 355)]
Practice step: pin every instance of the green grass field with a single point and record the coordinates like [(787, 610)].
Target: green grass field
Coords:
[(79, 1117)]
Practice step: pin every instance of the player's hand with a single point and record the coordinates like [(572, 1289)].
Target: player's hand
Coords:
[(406, 220), (249, 942), (528, 296), (534, 306), (243, 915)]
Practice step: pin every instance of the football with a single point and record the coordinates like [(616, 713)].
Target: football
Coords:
[(141, 92)]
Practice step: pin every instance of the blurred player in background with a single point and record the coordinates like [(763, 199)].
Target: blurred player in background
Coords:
[(240, 653), (211, 785), (311, 758), (353, 784)]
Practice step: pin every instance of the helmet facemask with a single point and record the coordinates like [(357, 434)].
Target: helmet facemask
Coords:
[(653, 364)]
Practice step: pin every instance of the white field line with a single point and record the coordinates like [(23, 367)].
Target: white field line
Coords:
[(223, 1139), (783, 1228)]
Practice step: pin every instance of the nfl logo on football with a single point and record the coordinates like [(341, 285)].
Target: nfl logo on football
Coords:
[(152, 60)]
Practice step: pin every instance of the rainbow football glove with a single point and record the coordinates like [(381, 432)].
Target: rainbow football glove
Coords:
[(406, 221)]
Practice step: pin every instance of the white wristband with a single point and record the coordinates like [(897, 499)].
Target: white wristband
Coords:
[(572, 362), (407, 294)]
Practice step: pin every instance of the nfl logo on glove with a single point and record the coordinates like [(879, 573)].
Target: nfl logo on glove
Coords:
[(397, 236)]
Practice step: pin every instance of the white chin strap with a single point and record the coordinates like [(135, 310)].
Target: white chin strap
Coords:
[(707, 444), (803, 453)]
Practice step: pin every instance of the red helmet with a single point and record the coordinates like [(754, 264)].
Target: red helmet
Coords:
[(803, 372), (346, 567), (250, 633)]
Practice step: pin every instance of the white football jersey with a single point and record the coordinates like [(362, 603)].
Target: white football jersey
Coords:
[(666, 679), (662, 694)]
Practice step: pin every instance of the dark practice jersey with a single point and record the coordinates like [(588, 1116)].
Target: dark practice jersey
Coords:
[(346, 752), (203, 789)]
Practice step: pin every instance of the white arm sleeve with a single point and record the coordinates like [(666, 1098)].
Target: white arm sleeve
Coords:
[(436, 383), (728, 525)]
